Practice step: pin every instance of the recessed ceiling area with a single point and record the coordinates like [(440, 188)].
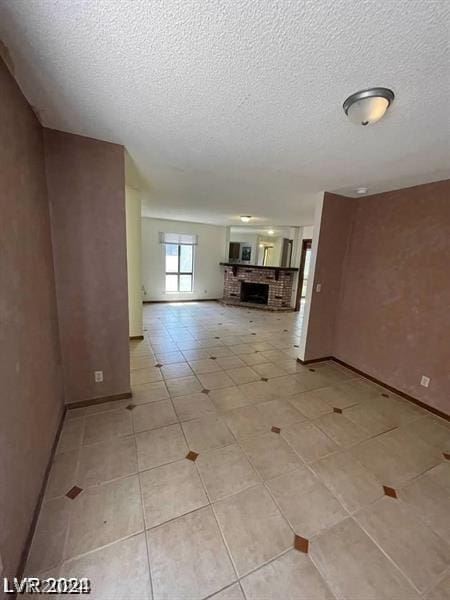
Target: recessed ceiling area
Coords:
[(236, 108)]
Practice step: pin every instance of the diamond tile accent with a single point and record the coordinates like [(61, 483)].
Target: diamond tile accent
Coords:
[(278, 517), (73, 492), (389, 491), (301, 544)]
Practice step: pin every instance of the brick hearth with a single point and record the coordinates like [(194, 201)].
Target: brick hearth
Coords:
[(280, 281)]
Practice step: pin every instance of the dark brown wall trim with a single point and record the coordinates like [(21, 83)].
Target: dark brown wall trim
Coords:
[(313, 360), (100, 400), (394, 390), (136, 337), (172, 301), (37, 508)]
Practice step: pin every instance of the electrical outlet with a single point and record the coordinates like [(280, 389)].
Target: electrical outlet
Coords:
[(98, 376), (319, 287), (425, 381)]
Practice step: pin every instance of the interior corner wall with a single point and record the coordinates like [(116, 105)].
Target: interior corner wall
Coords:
[(32, 401), (210, 251), (86, 190), (335, 225), (383, 262), (134, 262), (393, 319)]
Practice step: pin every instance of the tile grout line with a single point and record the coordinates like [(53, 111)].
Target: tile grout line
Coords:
[(72, 507), (144, 518), (180, 423), (437, 581), (212, 508), (417, 513), (391, 560)]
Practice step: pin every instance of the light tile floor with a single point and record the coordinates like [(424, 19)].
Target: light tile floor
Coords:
[(150, 523)]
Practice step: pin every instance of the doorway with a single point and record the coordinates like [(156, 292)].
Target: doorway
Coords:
[(286, 253), (268, 256), (303, 273)]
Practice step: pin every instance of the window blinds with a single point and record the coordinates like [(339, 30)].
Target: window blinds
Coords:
[(178, 238)]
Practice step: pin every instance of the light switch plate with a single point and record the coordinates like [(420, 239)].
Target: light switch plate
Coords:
[(425, 381)]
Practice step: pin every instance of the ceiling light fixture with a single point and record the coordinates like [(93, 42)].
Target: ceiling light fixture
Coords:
[(270, 232), (368, 106), (362, 190), (245, 218)]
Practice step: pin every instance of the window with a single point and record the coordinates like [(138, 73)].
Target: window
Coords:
[(179, 262)]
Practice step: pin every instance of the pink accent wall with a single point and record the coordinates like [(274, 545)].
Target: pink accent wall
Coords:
[(86, 190), (31, 402), (392, 319)]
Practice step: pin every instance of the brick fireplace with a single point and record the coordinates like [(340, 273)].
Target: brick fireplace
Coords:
[(269, 288)]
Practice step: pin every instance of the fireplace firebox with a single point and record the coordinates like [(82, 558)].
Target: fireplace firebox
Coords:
[(256, 293)]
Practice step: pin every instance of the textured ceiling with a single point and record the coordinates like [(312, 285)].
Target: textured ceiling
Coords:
[(229, 107)]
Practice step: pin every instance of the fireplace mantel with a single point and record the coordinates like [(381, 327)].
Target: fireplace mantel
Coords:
[(279, 281), (247, 266), (237, 266)]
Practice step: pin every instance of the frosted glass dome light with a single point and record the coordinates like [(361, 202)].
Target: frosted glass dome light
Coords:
[(368, 106)]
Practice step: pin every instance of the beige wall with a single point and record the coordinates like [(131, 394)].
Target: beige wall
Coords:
[(392, 319), (86, 189), (30, 367), (134, 263)]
